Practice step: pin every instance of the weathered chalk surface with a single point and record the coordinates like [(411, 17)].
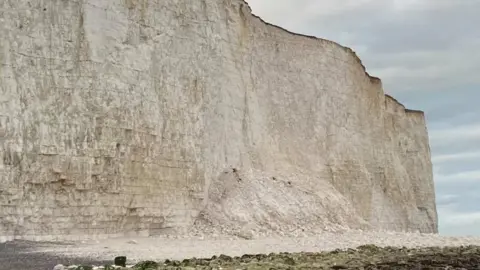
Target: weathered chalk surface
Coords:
[(144, 116)]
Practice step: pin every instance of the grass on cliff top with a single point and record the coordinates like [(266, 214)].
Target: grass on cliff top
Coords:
[(364, 257)]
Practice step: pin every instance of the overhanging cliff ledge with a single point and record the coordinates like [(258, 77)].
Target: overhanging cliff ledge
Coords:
[(148, 117)]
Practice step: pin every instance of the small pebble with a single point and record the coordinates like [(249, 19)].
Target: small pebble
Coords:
[(59, 267)]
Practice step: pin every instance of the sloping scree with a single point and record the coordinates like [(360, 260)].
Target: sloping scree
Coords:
[(366, 257)]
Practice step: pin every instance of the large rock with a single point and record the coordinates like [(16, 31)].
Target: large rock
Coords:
[(126, 116)]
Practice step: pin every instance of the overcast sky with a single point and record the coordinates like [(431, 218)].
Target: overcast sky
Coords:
[(427, 53)]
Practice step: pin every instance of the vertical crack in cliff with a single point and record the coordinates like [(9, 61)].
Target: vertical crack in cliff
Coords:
[(239, 55), (80, 42), (247, 132)]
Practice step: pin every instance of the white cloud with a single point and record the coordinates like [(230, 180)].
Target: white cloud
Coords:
[(451, 218), (449, 200), (455, 157), (446, 197), (273, 8), (425, 5), (455, 133), (453, 222), (331, 8), (469, 176)]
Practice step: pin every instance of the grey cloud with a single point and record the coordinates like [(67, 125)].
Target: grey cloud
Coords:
[(458, 208), (446, 199), (461, 227), (460, 230), (432, 30), (464, 165), (385, 29), (456, 113), (461, 190), (456, 157), (441, 107), (459, 146)]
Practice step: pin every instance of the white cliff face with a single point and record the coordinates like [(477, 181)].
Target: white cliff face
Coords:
[(123, 116)]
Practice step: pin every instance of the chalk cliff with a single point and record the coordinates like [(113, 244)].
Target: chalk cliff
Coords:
[(140, 116)]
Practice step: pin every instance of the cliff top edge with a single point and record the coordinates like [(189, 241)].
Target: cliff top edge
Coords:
[(373, 79)]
